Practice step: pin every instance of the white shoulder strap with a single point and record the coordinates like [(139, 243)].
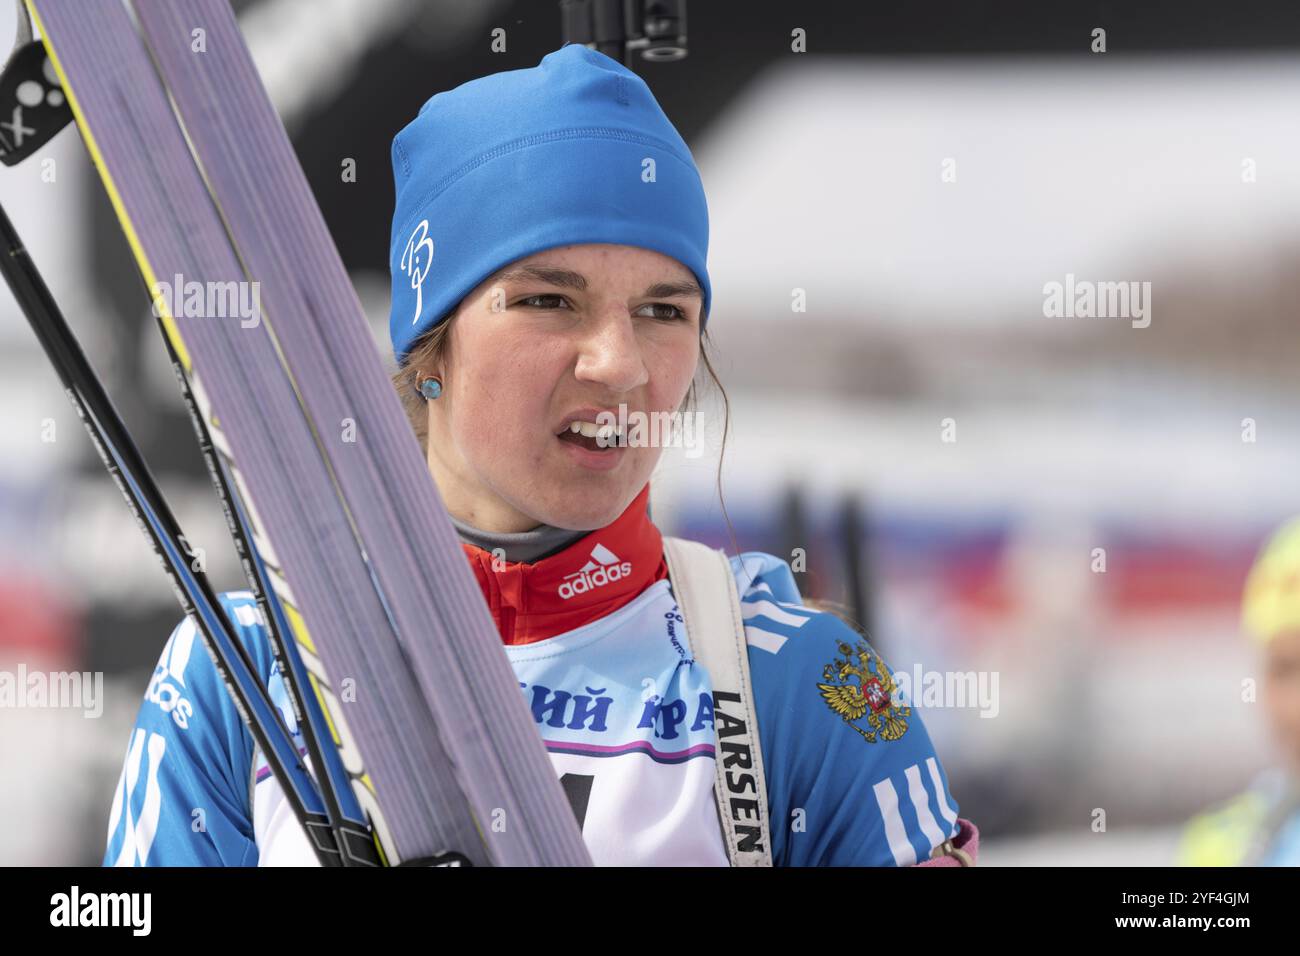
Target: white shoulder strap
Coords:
[(706, 594)]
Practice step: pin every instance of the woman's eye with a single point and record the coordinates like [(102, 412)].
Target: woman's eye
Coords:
[(533, 298), (550, 301), (675, 312)]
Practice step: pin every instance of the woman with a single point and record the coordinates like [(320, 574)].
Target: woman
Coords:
[(548, 258)]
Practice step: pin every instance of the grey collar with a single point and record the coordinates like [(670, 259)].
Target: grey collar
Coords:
[(520, 546)]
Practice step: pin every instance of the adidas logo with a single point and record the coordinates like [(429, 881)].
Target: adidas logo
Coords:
[(603, 567)]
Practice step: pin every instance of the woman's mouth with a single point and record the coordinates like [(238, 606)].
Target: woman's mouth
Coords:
[(592, 436), (594, 446)]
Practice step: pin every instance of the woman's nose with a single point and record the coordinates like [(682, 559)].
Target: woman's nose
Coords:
[(611, 355)]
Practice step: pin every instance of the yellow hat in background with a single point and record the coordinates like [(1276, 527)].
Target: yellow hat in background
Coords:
[(1271, 603)]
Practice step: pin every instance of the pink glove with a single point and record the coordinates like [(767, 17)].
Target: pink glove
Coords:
[(961, 850)]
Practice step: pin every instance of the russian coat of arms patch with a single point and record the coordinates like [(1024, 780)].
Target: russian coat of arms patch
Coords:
[(859, 687)]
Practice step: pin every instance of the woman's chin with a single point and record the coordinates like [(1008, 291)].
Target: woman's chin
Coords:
[(582, 505)]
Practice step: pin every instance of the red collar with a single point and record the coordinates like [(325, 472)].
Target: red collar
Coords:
[(593, 577)]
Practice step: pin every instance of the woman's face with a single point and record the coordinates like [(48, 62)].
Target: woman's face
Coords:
[(1281, 694), (583, 327)]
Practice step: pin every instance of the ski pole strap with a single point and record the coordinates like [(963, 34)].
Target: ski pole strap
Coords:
[(706, 594)]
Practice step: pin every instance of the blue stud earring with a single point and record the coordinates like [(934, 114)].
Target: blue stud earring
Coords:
[(431, 387)]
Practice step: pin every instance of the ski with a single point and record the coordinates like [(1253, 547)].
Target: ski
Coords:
[(446, 633), (452, 761), (28, 67)]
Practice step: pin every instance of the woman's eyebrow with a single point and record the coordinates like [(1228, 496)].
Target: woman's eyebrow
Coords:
[(568, 279), (671, 290), (562, 277)]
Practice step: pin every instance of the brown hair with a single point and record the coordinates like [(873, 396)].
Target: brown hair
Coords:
[(428, 352)]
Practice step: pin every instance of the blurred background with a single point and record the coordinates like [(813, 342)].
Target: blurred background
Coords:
[(886, 209)]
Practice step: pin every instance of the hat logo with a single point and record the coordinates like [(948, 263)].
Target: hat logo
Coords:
[(416, 262)]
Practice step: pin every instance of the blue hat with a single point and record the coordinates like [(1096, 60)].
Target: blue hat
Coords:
[(574, 150)]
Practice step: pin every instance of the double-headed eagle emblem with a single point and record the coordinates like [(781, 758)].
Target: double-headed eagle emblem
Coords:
[(870, 696)]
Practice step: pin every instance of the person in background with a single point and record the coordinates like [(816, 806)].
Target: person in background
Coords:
[(1261, 827)]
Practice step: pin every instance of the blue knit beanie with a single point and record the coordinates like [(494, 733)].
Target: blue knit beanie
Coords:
[(510, 164)]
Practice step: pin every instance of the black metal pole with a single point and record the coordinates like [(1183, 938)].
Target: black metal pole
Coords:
[(193, 590)]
